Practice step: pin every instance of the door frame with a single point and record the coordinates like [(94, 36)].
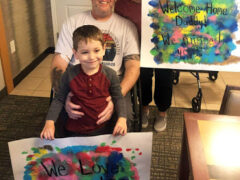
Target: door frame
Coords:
[(4, 53)]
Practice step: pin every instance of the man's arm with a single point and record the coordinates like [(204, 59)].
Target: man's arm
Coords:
[(131, 74), (58, 67)]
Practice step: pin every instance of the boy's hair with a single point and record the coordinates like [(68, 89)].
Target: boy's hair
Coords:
[(86, 33)]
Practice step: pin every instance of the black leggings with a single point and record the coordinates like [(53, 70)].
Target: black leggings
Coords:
[(163, 87)]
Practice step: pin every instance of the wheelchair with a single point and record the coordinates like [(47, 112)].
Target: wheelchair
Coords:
[(136, 98), (197, 100)]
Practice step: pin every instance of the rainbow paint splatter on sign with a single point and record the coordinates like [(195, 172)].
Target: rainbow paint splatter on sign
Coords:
[(81, 162), (193, 31)]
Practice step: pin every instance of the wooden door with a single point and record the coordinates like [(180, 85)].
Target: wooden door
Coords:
[(4, 54)]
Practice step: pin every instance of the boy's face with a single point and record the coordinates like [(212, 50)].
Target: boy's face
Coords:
[(90, 54)]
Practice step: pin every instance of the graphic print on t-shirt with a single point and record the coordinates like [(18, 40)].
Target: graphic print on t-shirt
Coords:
[(110, 51)]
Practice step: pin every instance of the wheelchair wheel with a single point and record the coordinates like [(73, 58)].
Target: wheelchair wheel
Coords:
[(213, 75), (196, 104), (136, 126), (175, 77)]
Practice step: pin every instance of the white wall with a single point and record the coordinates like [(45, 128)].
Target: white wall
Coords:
[(2, 83)]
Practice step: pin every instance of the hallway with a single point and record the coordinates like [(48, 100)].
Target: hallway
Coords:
[(38, 83)]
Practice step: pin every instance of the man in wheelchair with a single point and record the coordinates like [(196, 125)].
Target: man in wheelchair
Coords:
[(124, 43)]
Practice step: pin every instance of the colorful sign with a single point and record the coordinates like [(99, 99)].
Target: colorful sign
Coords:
[(87, 158), (191, 34)]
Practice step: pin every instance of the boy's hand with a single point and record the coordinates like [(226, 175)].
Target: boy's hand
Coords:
[(48, 130), (120, 127)]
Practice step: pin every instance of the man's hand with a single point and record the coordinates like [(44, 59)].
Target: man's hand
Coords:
[(48, 130), (107, 112), (120, 127), (72, 109)]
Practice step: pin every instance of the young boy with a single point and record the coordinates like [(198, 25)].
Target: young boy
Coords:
[(91, 83)]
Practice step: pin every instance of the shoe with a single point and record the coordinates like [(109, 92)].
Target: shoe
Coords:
[(145, 119), (160, 123)]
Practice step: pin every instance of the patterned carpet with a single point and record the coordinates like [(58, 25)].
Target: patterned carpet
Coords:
[(23, 117)]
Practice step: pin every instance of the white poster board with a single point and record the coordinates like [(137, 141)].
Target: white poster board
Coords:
[(191, 34), (97, 157)]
